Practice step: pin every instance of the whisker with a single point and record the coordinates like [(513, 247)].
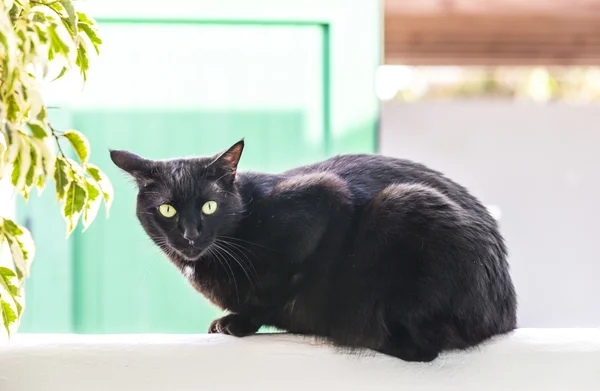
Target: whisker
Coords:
[(146, 271), (149, 266), (213, 255), (218, 179), (241, 250), (239, 262), (219, 249), (248, 242), (154, 192)]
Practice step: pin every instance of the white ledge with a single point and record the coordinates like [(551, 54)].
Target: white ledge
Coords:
[(528, 359)]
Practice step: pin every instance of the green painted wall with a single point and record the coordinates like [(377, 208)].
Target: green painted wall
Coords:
[(123, 283), (273, 82)]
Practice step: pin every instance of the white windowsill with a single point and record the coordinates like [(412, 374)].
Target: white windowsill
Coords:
[(528, 359)]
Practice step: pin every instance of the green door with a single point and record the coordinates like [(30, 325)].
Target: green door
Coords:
[(191, 87)]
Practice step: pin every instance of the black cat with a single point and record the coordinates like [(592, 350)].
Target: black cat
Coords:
[(363, 250)]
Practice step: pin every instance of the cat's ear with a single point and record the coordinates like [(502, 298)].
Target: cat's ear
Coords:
[(229, 159), (136, 166)]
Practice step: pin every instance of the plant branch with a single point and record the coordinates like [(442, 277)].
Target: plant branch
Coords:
[(49, 5), (56, 136), (42, 3)]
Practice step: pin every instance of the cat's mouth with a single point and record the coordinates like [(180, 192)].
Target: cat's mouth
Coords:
[(193, 253)]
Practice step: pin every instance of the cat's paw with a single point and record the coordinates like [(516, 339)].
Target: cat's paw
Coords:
[(233, 324)]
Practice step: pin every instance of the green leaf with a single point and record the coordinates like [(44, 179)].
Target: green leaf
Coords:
[(4, 40), (19, 308), (22, 160), (24, 93), (41, 33), (29, 177), (16, 171), (21, 246), (12, 79), (68, 6), (35, 166), (8, 315), (92, 35), (51, 52), (39, 17), (19, 257), (12, 111), (13, 139), (48, 159), (104, 183), (74, 203), (41, 116), (93, 203), (61, 177), (45, 163), (22, 163), (11, 228), (80, 144), (83, 18), (93, 190), (9, 41), (39, 169), (82, 60), (6, 276), (3, 150), (56, 42), (27, 246), (94, 172), (20, 34), (36, 106), (61, 74), (32, 33)]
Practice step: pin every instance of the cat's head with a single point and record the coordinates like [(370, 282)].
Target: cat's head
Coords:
[(184, 205)]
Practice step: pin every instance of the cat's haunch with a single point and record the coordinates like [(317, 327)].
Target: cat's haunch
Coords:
[(365, 251)]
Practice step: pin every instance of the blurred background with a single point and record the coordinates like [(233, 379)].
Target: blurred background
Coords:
[(501, 95)]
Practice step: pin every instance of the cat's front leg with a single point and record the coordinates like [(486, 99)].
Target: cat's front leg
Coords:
[(237, 325)]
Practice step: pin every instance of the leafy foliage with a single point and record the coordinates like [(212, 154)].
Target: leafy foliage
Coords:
[(538, 84), (34, 33)]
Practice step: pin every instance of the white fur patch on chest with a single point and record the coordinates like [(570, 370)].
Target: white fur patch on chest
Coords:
[(188, 272)]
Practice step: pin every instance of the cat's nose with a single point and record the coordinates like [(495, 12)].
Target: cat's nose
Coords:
[(191, 235)]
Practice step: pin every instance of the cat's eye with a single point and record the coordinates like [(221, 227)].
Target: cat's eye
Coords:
[(209, 207), (167, 210)]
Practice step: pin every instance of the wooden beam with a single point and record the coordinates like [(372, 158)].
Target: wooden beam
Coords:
[(481, 7), (540, 33)]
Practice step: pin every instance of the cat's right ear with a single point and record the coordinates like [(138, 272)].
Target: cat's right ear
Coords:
[(136, 166)]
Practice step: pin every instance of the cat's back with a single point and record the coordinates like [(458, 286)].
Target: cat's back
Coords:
[(368, 170), (368, 174)]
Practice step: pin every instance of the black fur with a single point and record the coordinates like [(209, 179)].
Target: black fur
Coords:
[(363, 250)]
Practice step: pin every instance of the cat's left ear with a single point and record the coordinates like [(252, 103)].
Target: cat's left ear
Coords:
[(229, 159), (136, 166)]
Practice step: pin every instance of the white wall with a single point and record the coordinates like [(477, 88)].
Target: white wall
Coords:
[(540, 165), (528, 359)]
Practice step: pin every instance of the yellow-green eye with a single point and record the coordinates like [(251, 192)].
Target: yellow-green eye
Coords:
[(209, 207), (167, 210)]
